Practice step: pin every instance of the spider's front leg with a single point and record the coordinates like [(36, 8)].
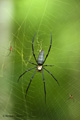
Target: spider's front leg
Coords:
[(33, 48), (30, 61)]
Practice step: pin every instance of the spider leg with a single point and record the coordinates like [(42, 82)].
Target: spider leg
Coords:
[(33, 48), (51, 75), (48, 65), (24, 73), (44, 85), (30, 82), (30, 62), (49, 49)]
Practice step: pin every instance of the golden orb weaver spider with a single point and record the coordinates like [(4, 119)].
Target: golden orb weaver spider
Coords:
[(39, 66)]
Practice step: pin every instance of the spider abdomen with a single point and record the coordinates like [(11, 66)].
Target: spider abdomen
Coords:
[(40, 59)]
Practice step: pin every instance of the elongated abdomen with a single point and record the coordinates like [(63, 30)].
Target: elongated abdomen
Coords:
[(40, 59)]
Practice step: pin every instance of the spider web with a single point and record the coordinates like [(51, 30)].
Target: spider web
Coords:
[(45, 16)]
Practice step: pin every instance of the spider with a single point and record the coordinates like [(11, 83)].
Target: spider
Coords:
[(10, 50), (71, 97), (39, 66)]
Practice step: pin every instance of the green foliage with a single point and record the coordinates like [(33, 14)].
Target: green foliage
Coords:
[(62, 18)]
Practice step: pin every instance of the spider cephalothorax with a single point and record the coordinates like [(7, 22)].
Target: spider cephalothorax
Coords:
[(39, 65)]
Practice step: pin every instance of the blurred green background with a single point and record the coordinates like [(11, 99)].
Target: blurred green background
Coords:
[(19, 20)]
